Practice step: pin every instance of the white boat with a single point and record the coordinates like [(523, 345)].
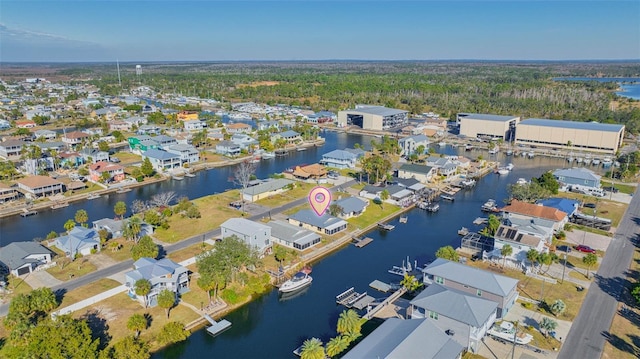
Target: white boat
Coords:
[(268, 155), (300, 149), (531, 154), (507, 331), (595, 162), (521, 181), (509, 152), (510, 166), (468, 147), (569, 159), (93, 196), (494, 150), (503, 171), (579, 160), (298, 281), (489, 206), (587, 160)]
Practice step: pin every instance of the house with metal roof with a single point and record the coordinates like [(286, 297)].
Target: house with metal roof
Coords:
[(292, 236), (79, 241), (520, 242), (245, 141), (23, 257), (410, 144), (477, 282), (325, 224), (162, 160), (420, 173), (569, 206), (266, 189), (529, 211), (254, 234), (141, 143), (578, 176), (161, 273), (290, 136), (487, 126), (370, 117), (187, 153), (339, 159), (466, 317), (228, 148), (570, 135), (415, 338), (351, 206)]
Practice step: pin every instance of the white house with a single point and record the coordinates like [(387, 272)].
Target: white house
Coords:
[(80, 240), (410, 144), (256, 235), (23, 257), (519, 241), (187, 153), (339, 159), (194, 125), (162, 160)]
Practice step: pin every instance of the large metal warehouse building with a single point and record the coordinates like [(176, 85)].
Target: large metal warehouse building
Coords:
[(373, 117), (487, 126), (587, 136)]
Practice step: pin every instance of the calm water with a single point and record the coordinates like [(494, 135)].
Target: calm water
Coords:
[(271, 328), (16, 228), (630, 85)]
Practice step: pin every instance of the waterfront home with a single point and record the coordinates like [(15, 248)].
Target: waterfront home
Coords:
[(238, 128), (40, 186), (444, 166), (537, 227), (569, 206), (371, 191), (108, 112), (245, 141), (11, 148), (292, 236), (254, 234), (164, 142), (115, 226), (410, 144), (187, 153), (23, 257), (8, 193), (412, 184), (340, 159), (477, 282), (520, 242), (75, 138), (227, 148), (322, 117), (119, 126), (70, 159), (266, 125), (4, 124), (45, 134), (325, 224), (79, 241), (420, 173), (162, 274), (577, 176), (136, 121), (194, 125), (313, 172), (142, 143), (266, 189), (527, 211), (25, 124), (465, 317), (162, 160), (351, 207), (93, 155), (414, 338), (115, 171), (289, 136), (148, 130)]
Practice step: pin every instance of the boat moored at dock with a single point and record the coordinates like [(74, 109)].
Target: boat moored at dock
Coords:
[(298, 281)]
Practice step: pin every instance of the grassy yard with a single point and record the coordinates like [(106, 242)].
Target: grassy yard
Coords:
[(623, 188), (77, 268), (121, 254), (302, 190), (87, 291), (532, 288), (604, 207), (16, 286), (127, 157), (214, 209), (117, 310), (90, 188), (542, 342), (373, 214), (189, 252)]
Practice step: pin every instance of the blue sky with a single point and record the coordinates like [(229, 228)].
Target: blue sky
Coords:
[(203, 30)]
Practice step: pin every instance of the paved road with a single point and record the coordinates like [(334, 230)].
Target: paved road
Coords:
[(128, 264), (587, 336)]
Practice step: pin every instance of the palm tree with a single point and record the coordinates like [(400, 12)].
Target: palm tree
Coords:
[(120, 208), (349, 322), (312, 349), (410, 282), (558, 307), (137, 323), (69, 225), (589, 260), (337, 345), (132, 228), (166, 300), (506, 251), (82, 217), (532, 256), (548, 325), (143, 288)]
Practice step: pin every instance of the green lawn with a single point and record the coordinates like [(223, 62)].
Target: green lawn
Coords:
[(87, 291), (127, 157), (301, 190), (189, 252), (77, 268), (373, 214), (121, 254), (623, 188)]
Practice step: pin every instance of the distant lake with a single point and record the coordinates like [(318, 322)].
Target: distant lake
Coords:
[(630, 85)]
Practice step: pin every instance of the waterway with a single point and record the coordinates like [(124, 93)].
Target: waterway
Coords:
[(270, 327), (630, 85)]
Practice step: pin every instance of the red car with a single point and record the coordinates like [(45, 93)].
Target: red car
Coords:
[(585, 249)]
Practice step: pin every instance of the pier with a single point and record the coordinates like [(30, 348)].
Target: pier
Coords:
[(352, 299), (217, 327), (361, 242)]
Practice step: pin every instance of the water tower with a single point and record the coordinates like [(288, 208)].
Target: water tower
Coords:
[(138, 70)]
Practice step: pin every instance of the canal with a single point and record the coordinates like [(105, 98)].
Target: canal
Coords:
[(272, 327)]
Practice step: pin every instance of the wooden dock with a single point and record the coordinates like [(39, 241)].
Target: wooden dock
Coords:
[(361, 242), (26, 213), (352, 299)]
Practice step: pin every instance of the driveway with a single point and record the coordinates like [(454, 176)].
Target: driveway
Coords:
[(41, 279), (595, 241)]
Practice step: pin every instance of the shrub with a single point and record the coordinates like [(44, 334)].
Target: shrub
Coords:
[(527, 305), (230, 296)]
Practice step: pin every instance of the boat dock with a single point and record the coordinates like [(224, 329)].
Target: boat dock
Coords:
[(27, 213), (480, 220), (217, 327), (352, 299), (361, 242), (59, 205), (386, 226), (403, 219), (382, 286)]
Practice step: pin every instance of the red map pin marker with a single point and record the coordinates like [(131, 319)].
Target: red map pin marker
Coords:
[(320, 198)]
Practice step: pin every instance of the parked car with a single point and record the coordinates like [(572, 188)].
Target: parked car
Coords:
[(610, 189), (589, 205), (585, 249), (565, 249), (114, 159)]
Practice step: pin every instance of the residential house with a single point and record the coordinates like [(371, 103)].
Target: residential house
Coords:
[(321, 117), (148, 130), (23, 257), (49, 146), (131, 100), (244, 141), (187, 153), (79, 241), (25, 124), (411, 184), (476, 282), (371, 192), (266, 125), (107, 113), (420, 173), (578, 176), (410, 144), (39, 186), (161, 273), (254, 234), (8, 193), (520, 242), (136, 121), (538, 227), (70, 159), (45, 134), (93, 155), (11, 148), (227, 148), (311, 172), (162, 160), (266, 189), (289, 136), (142, 143), (415, 338), (239, 127), (119, 126), (340, 159), (4, 124), (528, 211), (566, 205), (465, 317), (325, 224), (165, 142), (115, 171), (115, 227), (292, 236), (351, 207), (194, 125), (75, 138)]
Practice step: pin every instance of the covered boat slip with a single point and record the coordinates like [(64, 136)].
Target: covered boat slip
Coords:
[(352, 299)]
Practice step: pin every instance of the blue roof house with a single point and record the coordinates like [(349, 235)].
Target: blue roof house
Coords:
[(162, 274), (578, 176), (325, 224), (79, 241), (162, 160), (568, 206)]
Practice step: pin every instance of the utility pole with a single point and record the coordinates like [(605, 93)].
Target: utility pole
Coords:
[(564, 266), (515, 336)]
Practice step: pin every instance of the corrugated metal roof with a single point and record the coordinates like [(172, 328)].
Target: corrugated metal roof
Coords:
[(486, 117), (593, 126), (474, 277), (378, 110), (457, 305)]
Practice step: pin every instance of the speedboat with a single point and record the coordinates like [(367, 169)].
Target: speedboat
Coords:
[(507, 331), (489, 206), (521, 181), (298, 281), (510, 166), (503, 171)]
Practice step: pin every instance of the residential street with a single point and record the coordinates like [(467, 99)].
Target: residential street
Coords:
[(589, 331)]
